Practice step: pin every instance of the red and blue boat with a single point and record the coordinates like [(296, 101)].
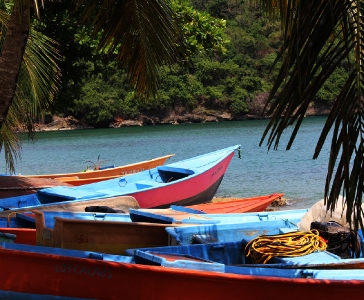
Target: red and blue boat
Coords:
[(33, 272), (187, 182)]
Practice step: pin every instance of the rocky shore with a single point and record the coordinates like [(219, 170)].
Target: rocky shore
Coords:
[(71, 123)]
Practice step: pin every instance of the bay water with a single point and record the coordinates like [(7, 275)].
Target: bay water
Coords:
[(258, 172)]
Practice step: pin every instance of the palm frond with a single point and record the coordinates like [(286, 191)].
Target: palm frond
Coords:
[(318, 37), (4, 19), (36, 88), (9, 140), (143, 33)]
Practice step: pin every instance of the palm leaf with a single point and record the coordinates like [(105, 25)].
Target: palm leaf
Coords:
[(36, 88), (143, 33), (318, 37)]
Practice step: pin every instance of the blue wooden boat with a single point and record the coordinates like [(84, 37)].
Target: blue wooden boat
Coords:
[(115, 204), (53, 273), (101, 232), (191, 181), (184, 215), (189, 217), (229, 258), (253, 225), (233, 254), (113, 233)]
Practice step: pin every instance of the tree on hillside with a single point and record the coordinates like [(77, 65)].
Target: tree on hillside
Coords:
[(318, 37)]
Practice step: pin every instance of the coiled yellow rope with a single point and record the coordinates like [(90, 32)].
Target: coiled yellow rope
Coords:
[(263, 248)]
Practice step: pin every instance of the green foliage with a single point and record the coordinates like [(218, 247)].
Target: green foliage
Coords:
[(228, 53), (201, 31)]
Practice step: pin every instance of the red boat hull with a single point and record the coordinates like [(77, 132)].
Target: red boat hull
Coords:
[(40, 274), (239, 205), (196, 190)]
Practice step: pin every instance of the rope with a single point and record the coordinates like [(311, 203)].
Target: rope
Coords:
[(293, 244), (10, 215)]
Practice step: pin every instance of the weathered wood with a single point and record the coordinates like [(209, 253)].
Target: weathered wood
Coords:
[(12, 186), (117, 203)]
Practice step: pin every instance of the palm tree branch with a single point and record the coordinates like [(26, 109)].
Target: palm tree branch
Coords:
[(144, 34)]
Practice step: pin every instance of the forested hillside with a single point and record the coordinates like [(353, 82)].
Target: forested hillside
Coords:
[(226, 72)]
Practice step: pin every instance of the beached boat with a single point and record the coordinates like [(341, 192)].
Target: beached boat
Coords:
[(238, 205), (53, 273), (105, 173), (183, 215), (113, 233), (101, 232), (12, 186), (230, 232), (180, 214), (188, 182), (10, 206), (231, 258)]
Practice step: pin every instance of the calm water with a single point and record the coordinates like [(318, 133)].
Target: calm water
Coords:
[(258, 172)]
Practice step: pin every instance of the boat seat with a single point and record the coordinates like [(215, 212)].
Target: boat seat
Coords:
[(168, 174)]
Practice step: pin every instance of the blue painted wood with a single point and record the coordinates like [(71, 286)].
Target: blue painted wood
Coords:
[(68, 252), (112, 217), (187, 209), (355, 274), (149, 216), (224, 253), (180, 261), (320, 264), (226, 232)]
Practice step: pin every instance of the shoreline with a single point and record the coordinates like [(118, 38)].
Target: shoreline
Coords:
[(71, 123)]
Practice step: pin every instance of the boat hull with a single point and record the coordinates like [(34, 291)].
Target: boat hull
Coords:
[(12, 186), (240, 205), (121, 203), (36, 275), (168, 196), (81, 178), (197, 190), (102, 235), (187, 182)]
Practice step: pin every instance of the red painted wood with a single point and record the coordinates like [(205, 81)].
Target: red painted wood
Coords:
[(23, 235), (239, 205), (185, 191), (84, 278)]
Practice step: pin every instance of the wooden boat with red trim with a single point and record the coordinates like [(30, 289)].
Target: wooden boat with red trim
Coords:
[(105, 173), (31, 272)]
